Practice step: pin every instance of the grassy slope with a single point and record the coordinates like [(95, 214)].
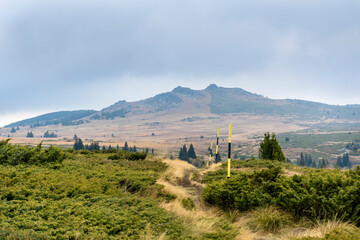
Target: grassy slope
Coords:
[(90, 197)]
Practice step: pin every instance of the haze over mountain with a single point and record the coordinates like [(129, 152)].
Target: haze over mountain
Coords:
[(212, 100)]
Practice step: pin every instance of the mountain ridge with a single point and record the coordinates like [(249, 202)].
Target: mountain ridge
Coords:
[(211, 100)]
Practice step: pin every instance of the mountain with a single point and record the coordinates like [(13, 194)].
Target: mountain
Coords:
[(64, 118), (212, 100)]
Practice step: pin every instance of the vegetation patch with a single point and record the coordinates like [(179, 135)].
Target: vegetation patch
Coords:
[(319, 194), (86, 197)]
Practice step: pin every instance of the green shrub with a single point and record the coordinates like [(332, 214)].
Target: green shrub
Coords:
[(17, 154), (85, 199), (188, 203), (133, 156), (321, 194)]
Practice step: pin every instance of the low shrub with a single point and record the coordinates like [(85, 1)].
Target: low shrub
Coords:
[(133, 156), (17, 154), (188, 203), (321, 194)]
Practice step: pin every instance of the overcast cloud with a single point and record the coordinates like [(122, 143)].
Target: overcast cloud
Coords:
[(57, 55)]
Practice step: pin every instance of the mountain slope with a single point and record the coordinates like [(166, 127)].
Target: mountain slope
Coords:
[(65, 118), (212, 100)]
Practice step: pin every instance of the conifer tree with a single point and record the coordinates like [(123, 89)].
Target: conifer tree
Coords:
[(270, 148), (191, 152), (339, 162), (134, 149), (103, 148), (126, 147), (302, 160), (30, 135), (78, 145)]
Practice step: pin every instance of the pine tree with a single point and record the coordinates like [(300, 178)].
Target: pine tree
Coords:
[(302, 160), (78, 145), (117, 147), (13, 130), (103, 148), (126, 147), (313, 164), (339, 162), (346, 161), (181, 154), (191, 152), (134, 149), (30, 135), (75, 137), (270, 148)]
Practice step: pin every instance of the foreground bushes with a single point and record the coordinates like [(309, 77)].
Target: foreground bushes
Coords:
[(322, 194), (87, 198), (17, 154)]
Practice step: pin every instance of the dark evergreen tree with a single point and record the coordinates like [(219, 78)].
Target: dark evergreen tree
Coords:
[(134, 149), (218, 158), (126, 147), (270, 149), (49, 135), (110, 147), (346, 161), (75, 137), (103, 148), (78, 145), (183, 154), (308, 160), (117, 147), (13, 130), (313, 164), (302, 160), (29, 135), (191, 152), (339, 162), (94, 146)]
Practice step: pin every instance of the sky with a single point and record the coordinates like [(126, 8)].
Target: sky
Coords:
[(86, 54)]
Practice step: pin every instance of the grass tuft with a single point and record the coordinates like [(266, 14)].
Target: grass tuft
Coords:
[(269, 220)]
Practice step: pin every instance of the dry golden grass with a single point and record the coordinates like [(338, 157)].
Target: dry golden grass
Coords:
[(318, 231)]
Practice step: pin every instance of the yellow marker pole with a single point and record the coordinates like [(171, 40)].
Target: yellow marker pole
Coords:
[(217, 146), (208, 163), (229, 152)]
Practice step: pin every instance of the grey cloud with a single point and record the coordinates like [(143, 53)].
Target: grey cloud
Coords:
[(60, 50)]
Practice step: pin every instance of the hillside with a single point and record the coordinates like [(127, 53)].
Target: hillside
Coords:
[(64, 118), (113, 194), (213, 99), (183, 116)]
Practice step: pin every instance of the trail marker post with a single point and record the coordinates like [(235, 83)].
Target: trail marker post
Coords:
[(229, 152), (217, 146), (208, 163)]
